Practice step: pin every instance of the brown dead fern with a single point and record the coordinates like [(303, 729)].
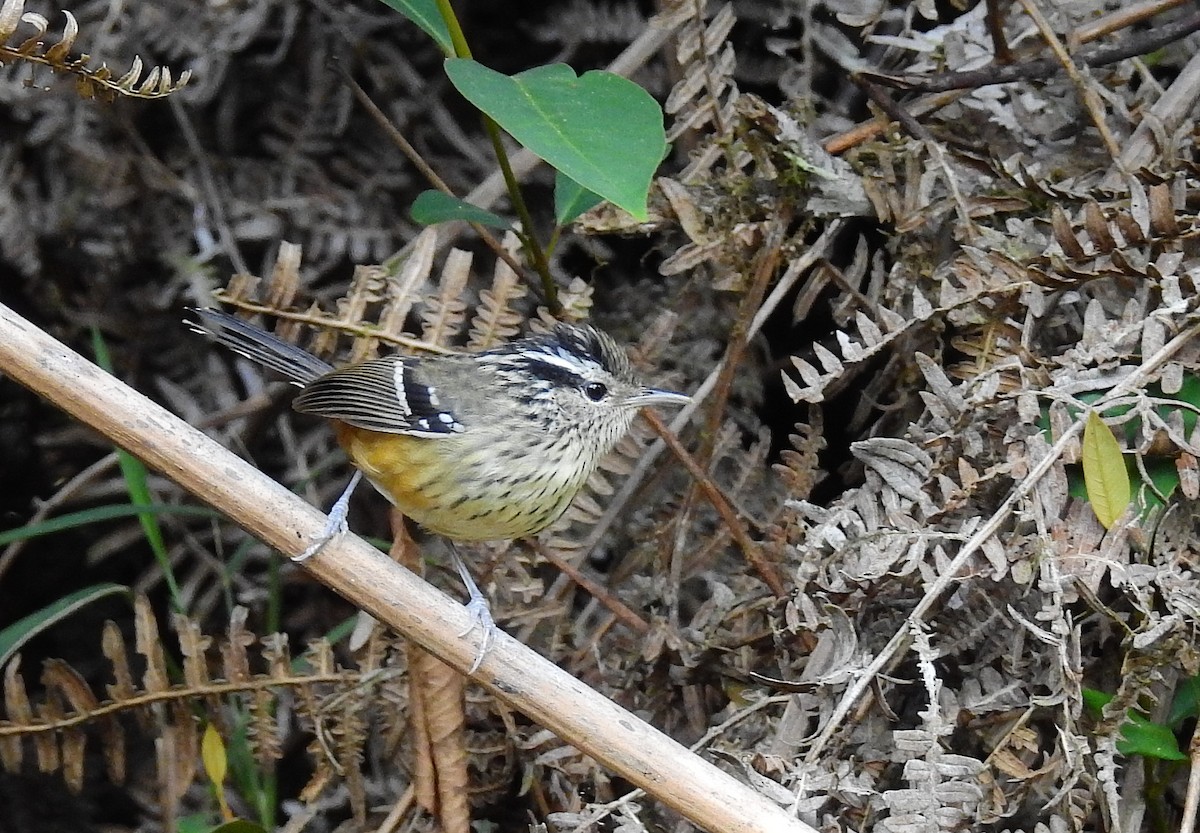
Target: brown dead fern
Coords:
[(91, 82), (219, 679)]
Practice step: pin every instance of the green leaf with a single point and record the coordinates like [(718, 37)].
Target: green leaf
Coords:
[(571, 199), (1095, 700), (1104, 471), (96, 515), (13, 637), (1139, 735), (1152, 740), (600, 129), (212, 755), (238, 826), (425, 14), (1186, 703), (194, 823), (1162, 474), (435, 207)]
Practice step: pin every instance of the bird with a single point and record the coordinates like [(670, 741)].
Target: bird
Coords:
[(483, 446)]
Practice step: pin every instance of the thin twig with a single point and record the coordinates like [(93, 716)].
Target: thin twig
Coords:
[(765, 265), (214, 202), (892, 108), (418, 161), (795, 269), (1191, 804), (946, 88), (595, 589), (855, 136), (716, 497), (995, 27), (1129, 14), (1087, 94), (1140, 43), (61, 496)]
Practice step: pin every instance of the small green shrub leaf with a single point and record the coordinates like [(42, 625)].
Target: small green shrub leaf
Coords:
[(425, 14), (1095, 700), (1138, 735), (1153, 740), (1104, 472), (435, 207), (600, 129), (571, 199)]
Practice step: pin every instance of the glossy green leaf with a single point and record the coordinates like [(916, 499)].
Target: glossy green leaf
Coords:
[(194, 823), (16, 635), (435, 207), (602, 130), (1138, 735), (425, 14), (1104, 472), (1095, 700), (1153, 740), (571, 199)]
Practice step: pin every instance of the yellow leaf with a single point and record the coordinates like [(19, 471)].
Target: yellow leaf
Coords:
[(1104, 473), (212, 752)]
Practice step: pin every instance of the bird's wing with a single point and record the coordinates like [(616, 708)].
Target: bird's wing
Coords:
[(387, 395)]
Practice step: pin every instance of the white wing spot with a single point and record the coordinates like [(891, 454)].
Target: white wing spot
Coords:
[(401, 393), (433, 397)]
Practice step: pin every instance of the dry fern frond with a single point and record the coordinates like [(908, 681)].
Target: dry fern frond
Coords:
[(376, 294), (336, 699), (706, 92), (445, 313), (91, 82), (497, 320)]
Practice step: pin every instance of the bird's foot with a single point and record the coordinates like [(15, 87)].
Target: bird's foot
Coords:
[(336, 524)]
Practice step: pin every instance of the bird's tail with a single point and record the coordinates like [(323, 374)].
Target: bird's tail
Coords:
[(256, 344)]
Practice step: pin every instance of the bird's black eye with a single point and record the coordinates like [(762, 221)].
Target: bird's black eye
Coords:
[(595, 391)]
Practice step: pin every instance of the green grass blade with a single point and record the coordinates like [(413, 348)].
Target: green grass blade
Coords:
[(13, 637)]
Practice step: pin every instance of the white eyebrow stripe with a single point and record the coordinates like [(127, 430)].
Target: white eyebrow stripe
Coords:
[(571, 365)]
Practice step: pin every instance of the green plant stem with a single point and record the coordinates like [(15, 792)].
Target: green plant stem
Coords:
[(427, 171), (457, 39), (526, 235)]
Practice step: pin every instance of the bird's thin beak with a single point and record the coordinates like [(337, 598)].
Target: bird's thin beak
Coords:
[(654, 396)]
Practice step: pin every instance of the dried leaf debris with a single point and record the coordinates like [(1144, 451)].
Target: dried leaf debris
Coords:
[(34, 50), (960, 282)]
